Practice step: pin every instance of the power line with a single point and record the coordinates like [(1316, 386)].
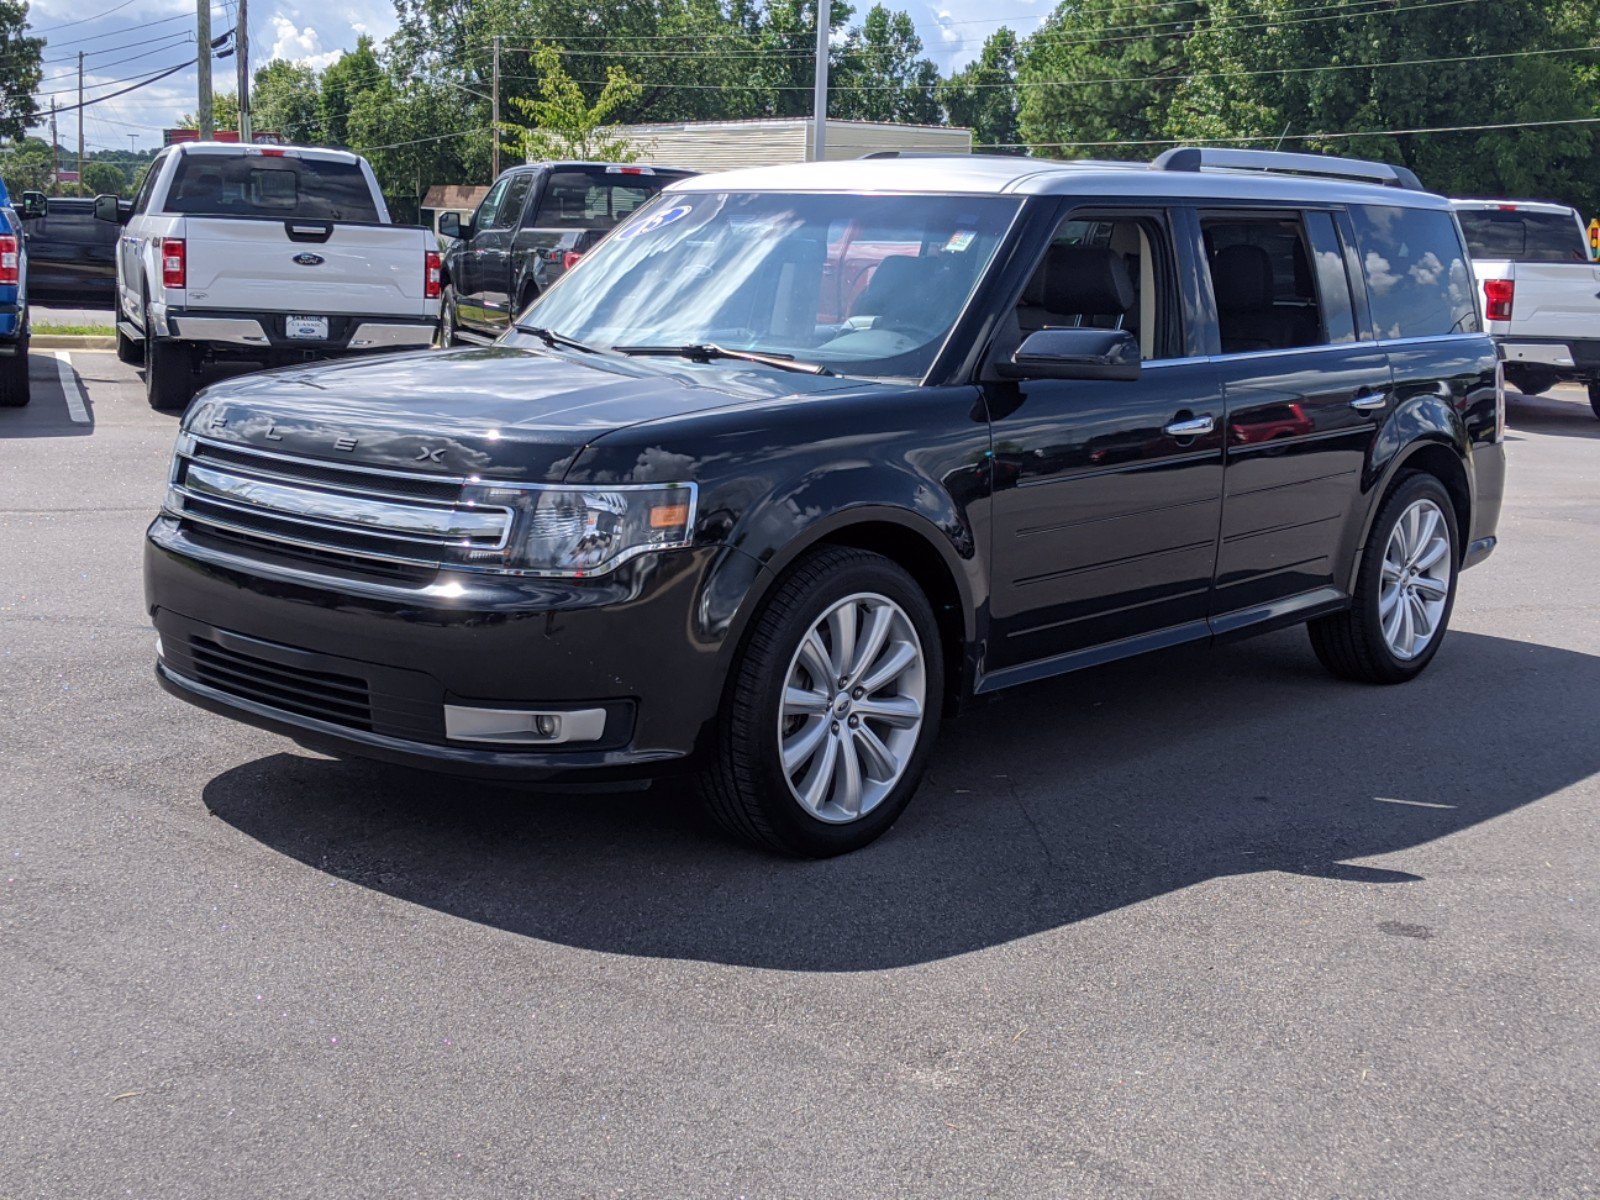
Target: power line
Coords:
[(94, 37), (1331, 135), (117, 62), (168, 39), (113, 95), (80, 20)]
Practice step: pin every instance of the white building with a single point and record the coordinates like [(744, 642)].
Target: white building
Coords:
[(724, 145)]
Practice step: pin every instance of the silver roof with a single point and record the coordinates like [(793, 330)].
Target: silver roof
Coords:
[(970, 174)]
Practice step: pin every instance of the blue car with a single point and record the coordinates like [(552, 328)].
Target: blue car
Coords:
[(13, 306)]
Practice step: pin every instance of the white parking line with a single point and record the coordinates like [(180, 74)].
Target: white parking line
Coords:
[(69, 387)]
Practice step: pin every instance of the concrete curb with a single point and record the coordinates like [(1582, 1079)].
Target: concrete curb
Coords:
[(71, 341)]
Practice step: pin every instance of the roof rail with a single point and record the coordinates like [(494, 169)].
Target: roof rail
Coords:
[(1201, 158)]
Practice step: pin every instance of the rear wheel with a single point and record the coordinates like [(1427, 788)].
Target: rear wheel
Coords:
[(1405, 590), (1594, 398), (14, 387), (833, 710), (169, 381)]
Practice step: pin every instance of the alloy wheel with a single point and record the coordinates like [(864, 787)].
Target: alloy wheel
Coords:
[(1417, 566), (852, 707)]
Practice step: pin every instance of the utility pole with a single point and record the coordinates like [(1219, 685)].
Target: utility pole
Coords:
[(80, 118), (55, 151), (494, 113), (819, 135), (203, 62), (241, 48)]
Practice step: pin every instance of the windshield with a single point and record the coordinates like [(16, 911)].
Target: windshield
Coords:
[(863, 285), (1523, 235), (270, 185)]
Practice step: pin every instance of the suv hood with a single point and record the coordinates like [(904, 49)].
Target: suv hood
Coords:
[(501, 412)]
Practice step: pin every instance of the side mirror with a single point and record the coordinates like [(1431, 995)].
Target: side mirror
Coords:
[(1074, 353), (450, 225), (34, 205), (109, 208)]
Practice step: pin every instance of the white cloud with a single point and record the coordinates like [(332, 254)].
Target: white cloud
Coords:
[(300, 45)]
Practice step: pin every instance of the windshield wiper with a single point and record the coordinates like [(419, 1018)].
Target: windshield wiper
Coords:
[(551, 338), (707, 351)]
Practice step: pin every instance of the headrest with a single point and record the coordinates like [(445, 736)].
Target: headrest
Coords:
[(1080, 280), (893, 278), (1242, 276)]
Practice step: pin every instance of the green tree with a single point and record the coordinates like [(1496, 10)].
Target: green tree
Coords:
[(411, 135), (26, 166), (343, 83), (562, 122), (884, 76), (1253, 81), (224, 113), (982, 96), (286, 100), (102, 178), (19, 69), (1105, 71)]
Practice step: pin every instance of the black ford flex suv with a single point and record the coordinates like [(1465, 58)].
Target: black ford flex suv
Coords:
[(801, 458)]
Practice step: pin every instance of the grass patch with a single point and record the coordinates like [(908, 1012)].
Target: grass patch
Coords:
[(75, 330)]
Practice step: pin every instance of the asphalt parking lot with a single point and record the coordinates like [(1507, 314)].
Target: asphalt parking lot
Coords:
[(1207, 924)]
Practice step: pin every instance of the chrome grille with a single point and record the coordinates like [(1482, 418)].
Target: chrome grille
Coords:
[(370, 514)]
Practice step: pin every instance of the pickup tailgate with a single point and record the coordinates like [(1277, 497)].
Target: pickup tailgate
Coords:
[(307, 266), (1550, 299)]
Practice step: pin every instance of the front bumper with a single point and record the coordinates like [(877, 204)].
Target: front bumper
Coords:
[(266, 332), (364, 666)]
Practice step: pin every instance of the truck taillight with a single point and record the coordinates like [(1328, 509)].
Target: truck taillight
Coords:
[(10, 259), (1498, 295), (570, 260), (174, 263), (431, 274)]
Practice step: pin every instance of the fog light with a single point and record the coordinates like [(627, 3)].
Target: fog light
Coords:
[(520, 727)]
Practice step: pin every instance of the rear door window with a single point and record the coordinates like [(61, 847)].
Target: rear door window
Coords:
[(1419, 283), (592, 199), (1522, 235), (261, 185), (1262, 277)]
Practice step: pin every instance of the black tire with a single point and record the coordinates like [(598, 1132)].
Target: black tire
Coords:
[(169, 379), (1351, 643), (1594, 398), (744, 786), (15, 391), (1530, 381), (129, 350), (449, 322)]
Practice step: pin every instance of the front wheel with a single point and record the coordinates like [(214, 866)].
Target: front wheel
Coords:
[(833, 708), (1405, 590), (447, 317), (15, 390)]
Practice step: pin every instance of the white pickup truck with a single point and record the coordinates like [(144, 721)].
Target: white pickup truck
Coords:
[(1540, 291), (264, 254)]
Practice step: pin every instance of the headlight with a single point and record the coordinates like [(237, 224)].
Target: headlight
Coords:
[(578, 531)]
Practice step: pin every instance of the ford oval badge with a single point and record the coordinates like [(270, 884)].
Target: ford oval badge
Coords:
[(309, 260)]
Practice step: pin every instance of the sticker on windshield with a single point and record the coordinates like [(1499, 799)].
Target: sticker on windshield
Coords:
[(960, 240), (653, 223)]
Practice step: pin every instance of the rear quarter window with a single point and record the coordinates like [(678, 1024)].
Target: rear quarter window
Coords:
[(1419, 281)]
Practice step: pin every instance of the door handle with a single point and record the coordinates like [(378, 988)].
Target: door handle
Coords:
[(1366, 400), (1191, 426)]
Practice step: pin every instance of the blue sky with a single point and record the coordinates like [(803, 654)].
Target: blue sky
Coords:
[(125, 40)]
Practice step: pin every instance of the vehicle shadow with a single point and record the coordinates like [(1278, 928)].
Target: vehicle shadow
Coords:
[(1566, 415), (1059, 802), (52, 411)]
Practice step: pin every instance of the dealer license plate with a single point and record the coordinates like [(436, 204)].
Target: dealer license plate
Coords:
[(307, 327)]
